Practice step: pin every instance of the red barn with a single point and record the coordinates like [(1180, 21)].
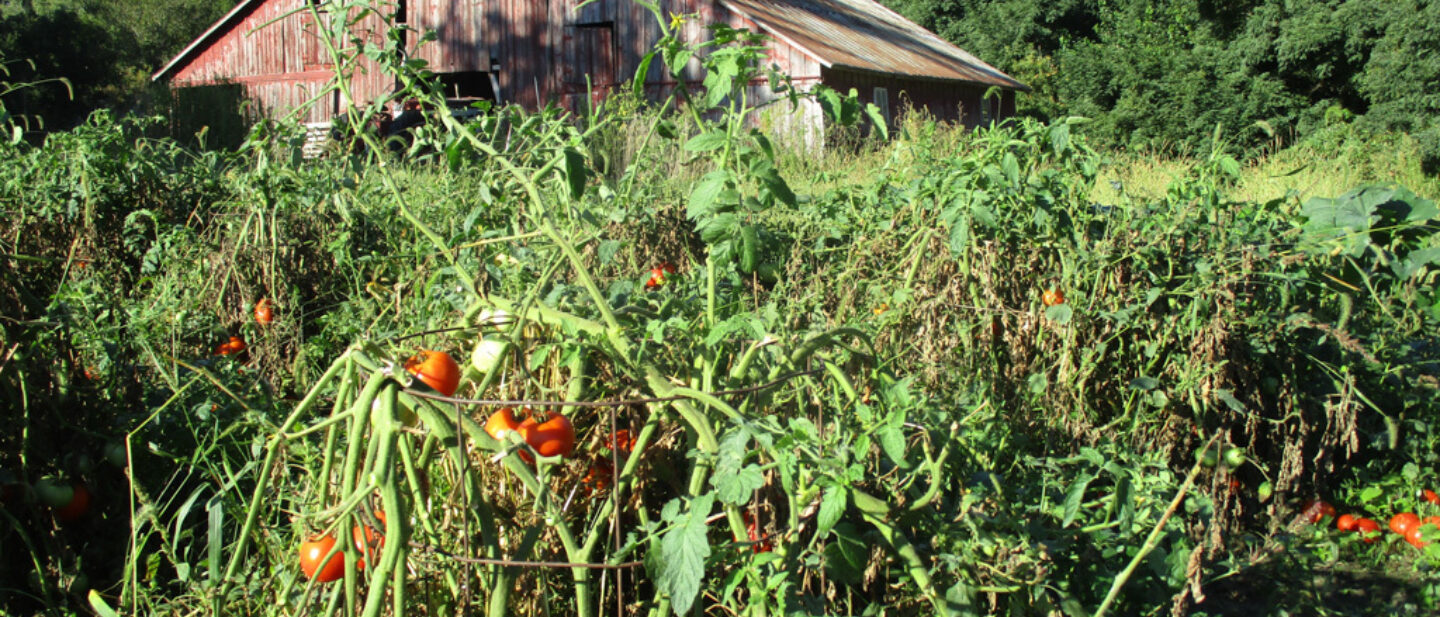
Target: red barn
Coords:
[(532, 52)]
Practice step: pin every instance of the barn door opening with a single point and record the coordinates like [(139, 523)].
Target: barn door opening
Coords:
[(591, 54)]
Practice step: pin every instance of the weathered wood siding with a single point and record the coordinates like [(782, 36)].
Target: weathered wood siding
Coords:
[(276, 55), (460, 29)]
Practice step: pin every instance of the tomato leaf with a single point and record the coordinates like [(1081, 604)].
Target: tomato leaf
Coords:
[(101, 607), (680, 565), (703, 197), (846, 554), (832, 507), (1074, 497), (1060, 313), (734, 482), (705, 142), (892, 441)]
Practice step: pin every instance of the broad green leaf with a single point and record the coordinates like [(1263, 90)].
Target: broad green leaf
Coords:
[(892, 441), (1074, 497), (702, 198), (683, 551), (101, 607), (846, 554), (1144, 384), (1010, 166), (877, 120), (1060, 313), (705, 142), (738, 487), (832, 507)]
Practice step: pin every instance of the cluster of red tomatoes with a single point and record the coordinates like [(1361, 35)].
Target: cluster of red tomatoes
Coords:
[(658, 275), (1406, 524), (264, 315), (320, 560)]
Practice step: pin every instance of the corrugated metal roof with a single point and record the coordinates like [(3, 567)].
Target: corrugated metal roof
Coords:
[(863, 35)]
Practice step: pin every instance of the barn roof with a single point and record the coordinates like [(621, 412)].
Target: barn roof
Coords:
[(858, 35), (863, 35), (215, 30)]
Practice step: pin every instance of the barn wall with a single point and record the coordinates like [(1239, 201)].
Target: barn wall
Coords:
[(947, 101), (281, 65)]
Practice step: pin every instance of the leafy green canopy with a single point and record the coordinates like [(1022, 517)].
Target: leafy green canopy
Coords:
[(1164, 74)]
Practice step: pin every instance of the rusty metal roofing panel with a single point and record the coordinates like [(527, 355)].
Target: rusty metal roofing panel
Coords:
[(863, 35)]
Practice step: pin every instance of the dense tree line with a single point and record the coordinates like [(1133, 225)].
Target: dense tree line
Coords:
[(1165, 73), (105, 49)]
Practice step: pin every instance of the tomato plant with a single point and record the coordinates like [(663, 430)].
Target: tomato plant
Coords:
[(553, 437), (264, 313), (312, 551), (437, 369), (1403, 522), (1052, 297)]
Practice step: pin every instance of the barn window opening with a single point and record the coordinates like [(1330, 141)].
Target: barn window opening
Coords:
[(465, 86), (881, 98)]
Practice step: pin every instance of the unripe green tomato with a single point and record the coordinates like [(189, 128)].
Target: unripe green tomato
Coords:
[(54, 492), (1264, 491), (114, 452), (1235, 457), (488, 354), (1209, 457)]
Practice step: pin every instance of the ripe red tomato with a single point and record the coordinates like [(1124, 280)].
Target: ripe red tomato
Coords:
[(1413, 536), (553, 437), (1052, 297), (1314, 510), (658, 275), (78, 506), (1430, 496), (501, 423), (437, 369), (313, 551), (1369, 529), (622, 441), (264, 313), (752, 530), (1402, 523), (598, 477), (367, 540), (234, 346), (1346, 522)]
